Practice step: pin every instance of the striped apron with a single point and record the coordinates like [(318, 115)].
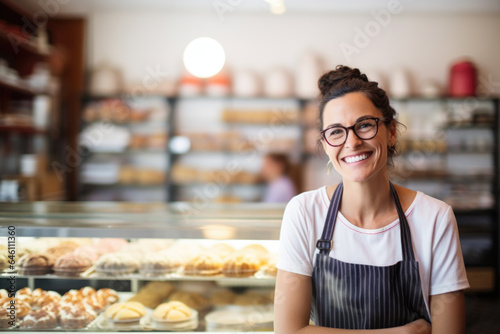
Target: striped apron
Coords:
[(357, 296)]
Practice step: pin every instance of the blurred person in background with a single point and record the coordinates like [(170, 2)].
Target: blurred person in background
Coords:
[(275, 171)]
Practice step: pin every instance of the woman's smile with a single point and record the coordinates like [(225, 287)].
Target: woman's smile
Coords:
[(356, 159)]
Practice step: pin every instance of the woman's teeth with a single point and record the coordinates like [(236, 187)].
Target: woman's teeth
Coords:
[(356, 158)]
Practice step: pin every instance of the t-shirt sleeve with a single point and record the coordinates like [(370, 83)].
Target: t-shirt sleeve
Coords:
[(448, 269), (294, 248)]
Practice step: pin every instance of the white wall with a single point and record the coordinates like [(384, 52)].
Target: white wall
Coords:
[(425, 44)]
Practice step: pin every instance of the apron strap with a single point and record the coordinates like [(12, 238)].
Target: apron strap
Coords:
[(325, 244), (406, 244)]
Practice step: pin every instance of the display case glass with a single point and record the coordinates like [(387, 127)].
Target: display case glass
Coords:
[(217, 260)]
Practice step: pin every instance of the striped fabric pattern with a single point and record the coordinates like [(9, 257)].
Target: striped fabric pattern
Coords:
[(356, 296)]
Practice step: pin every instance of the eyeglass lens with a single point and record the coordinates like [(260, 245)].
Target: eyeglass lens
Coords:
[(364, 129)]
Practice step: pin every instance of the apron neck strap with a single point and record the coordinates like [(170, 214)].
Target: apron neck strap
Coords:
[(406, 244), (326, 242)]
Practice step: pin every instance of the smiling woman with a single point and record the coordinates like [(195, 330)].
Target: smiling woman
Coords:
[(366, 256)]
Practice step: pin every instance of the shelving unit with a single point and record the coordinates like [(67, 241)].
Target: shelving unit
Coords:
[(20, 134)]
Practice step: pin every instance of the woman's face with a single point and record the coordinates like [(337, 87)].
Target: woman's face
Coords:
[(372, 153)]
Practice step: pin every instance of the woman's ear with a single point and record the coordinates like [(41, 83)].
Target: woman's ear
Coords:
[(393, 133)]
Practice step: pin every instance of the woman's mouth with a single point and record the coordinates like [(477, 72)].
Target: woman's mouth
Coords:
[(356, 158)]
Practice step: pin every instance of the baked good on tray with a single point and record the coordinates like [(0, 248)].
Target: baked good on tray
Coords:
[(45, 297), (241, 265), (204, 265), (39, 319), (259, 251), (153, 293), (109, 295), (25, 294), (21, 307), (172, 311), (116, 264), (75, 316), (155, 264), (223, 250), (35, 264), (125, 312), (71, 264)]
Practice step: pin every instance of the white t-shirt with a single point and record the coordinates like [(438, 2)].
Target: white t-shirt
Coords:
[(433, 229)]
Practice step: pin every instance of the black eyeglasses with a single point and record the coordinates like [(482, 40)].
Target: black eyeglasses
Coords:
[(364, 129)]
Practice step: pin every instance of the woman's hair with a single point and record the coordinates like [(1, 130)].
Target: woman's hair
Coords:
[(344, 80)]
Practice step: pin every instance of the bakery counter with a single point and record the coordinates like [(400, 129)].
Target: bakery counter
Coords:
[(172, 267)]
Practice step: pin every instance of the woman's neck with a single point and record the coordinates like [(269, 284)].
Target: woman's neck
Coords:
[(368, 204)]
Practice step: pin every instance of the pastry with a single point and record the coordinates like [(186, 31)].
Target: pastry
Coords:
[(4, 293), (47, 297), (125, 311), (63, 248), (21, 307), (116, 264), (94, 302), (138, 141), (5, 320), (88, 251), (72, 296), (108, 245), (172, 311), (39, 319), (25, 295), (241, 265), (109, 295), (271, 269), (153, 293), (35, 264), (75, 316), (204, 265), (257, 250), (53, 307), (88, 291), (223, 250), (71, 264), (191, 299), (155, 264)]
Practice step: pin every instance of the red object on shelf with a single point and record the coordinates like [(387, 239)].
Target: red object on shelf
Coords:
[(462, 81)]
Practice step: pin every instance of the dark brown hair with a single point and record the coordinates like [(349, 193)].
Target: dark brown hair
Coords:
[(344, 80)]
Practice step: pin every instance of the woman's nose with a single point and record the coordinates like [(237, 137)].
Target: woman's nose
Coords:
[(352, 140)]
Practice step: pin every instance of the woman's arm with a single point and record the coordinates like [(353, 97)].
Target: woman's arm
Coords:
[(448, 313), (292, 306)]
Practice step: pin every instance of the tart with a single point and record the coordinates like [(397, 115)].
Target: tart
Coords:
[(39, 319), (71, 265), (204, 265)]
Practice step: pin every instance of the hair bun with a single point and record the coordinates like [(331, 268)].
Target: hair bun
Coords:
[(335, 77)]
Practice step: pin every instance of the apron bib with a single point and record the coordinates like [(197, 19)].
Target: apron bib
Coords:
[(357, 296)]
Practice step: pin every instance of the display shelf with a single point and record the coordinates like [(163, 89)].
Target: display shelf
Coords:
[(26, 130), (25, 45), (17, 88)]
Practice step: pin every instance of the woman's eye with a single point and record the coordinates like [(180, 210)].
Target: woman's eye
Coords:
[(336, 132), (366, 125)]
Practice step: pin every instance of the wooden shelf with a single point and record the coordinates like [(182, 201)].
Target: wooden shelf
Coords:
[(27, 130), (4, 85), (24, 45)]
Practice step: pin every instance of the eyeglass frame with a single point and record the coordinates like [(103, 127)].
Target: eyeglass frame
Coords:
[(347, 128)]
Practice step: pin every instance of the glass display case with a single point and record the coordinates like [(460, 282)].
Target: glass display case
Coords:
[(192, 266)]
